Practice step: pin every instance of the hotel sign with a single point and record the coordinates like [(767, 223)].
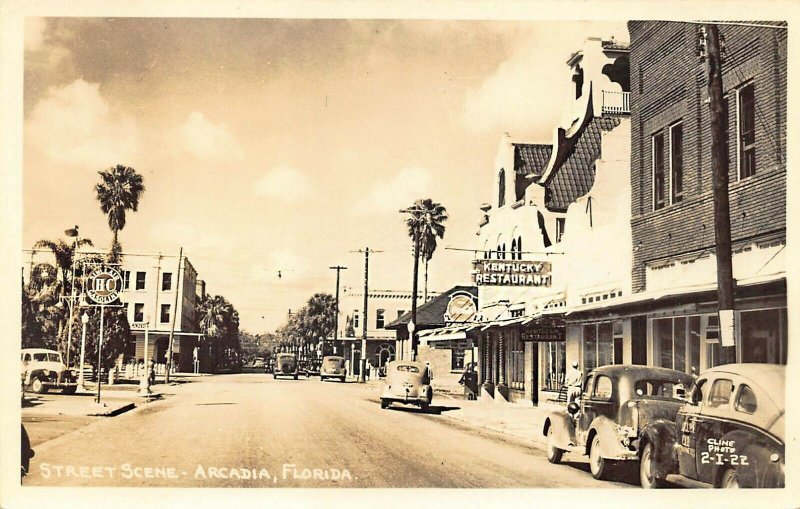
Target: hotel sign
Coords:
[(511, 273)]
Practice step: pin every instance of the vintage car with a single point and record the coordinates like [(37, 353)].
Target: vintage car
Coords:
[(730, 434), (407, 382), (43, 370), (332, 367), (25, 453), (608, 422), (286, 365)]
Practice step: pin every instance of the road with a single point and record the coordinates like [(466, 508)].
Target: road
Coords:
[(249, 430)]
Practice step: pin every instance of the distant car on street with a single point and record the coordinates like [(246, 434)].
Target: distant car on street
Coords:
[(610, 422), (258, 363), (44, 369), (332, 367), (286, 365), (730, 434), (407, 382)]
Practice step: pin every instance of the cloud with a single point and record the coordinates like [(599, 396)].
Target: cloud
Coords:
[(284, 183), (45, 45), (530, 91), (75, 127), (207, 141), (171, 234), (389, 196), (34, 33)]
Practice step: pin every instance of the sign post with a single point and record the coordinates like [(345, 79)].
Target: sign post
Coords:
[(105, 284)]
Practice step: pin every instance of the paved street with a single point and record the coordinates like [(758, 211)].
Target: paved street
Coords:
[(252, 431)]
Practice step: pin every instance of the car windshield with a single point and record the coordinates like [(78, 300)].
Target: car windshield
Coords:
[(333, 362), (408, 368), (42, 357), (660, 388)]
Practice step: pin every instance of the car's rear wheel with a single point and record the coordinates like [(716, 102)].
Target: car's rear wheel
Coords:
[(385, 403), (647, 477), (729, 479), (598, 465), (38, 386), (554, 454), (274, 376)]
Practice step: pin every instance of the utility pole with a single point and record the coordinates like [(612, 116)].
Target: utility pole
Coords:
[(338, 269), (174, 315), (722, 220), (363, 362), (412, 331)]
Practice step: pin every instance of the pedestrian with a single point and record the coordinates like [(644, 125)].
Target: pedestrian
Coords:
[(347, 367), (574, 382)]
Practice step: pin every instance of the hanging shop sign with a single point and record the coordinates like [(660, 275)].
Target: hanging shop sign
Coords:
[(461, 308), (544, 333), (511, 273)]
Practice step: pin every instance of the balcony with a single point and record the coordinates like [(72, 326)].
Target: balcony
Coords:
[(616, 103)]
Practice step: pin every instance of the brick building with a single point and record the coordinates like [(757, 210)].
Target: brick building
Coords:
[(672, 311)]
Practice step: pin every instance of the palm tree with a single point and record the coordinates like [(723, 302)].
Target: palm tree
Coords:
[(427, 218), (64, 254), (119, 190), (425, 223)]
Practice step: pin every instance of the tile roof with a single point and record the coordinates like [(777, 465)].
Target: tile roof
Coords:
[(531, 159), (431, 314), (574, 177)]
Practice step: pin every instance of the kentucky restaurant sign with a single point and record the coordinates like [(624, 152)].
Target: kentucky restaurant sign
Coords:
[(511, 273)]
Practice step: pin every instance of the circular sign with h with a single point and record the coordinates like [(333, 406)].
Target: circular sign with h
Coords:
[(104, 285)]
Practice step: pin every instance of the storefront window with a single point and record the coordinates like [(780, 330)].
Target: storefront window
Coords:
[(763, 336), (599, 345), (516, 361), (676, 343), (555, 365), (589, 347), (712, 342)]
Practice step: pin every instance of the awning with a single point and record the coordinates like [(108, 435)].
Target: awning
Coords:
[(448, 333), (658, 296)]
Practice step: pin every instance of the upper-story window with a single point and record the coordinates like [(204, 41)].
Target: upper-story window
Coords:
[(166, 281), (561, 224), (658, 171), (513, 249), (165, 313), (676, 162), (138, 312), (501, 188), (141, 277), (126, 279), (746, 130), (355, 319), (380, 319)]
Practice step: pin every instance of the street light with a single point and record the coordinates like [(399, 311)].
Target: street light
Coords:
[(84, 321), (72, 232)]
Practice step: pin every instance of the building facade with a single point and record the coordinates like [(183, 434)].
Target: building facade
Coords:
[(383, 307), (545, 237), (673, 312)]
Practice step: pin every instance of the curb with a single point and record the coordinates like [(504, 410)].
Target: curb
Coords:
[(114, 411)]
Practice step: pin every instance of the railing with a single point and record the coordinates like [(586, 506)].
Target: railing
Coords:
[(616, 103)]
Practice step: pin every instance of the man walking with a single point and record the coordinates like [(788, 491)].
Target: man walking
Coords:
[(574, 382)]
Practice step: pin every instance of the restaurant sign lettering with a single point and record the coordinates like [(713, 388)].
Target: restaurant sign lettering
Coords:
[(511, 273)]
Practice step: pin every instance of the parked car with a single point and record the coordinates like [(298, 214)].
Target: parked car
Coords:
[(286, 365), (407, 382), (26, 453), (730, 434), (332, 367), (609, 421), (44, 369), (258, 363)]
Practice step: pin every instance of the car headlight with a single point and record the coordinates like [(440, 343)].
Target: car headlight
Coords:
[(46, 372)]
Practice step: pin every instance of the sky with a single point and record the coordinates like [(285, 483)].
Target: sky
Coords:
[(284, 145)]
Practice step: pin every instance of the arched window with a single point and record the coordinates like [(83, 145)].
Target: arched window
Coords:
[(519, 248), (513, 249), (501, 186)]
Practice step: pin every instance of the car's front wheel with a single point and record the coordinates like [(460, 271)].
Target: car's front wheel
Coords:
[(729, 479), (647, 477), (598, 465), (554, 454), (38, 386)]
